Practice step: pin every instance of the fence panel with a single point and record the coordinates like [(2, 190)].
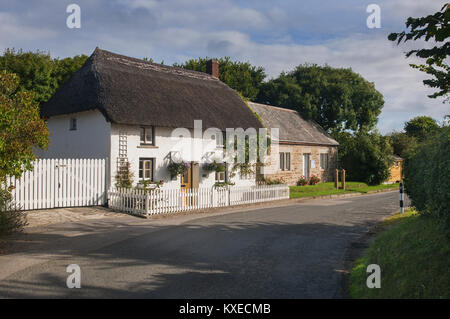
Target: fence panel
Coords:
[(61, 183), (162, 201)]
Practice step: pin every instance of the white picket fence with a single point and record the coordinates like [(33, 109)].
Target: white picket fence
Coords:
[(162, 201), (61, 183)]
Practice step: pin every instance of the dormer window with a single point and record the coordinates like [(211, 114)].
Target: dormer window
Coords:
[(73, 124), (147, 135)]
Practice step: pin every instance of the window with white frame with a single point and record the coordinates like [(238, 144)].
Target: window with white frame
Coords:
[(324, 161), (147, 135), (73, 124), (146, 168), (220, 177), (220, 139), (285, 161)]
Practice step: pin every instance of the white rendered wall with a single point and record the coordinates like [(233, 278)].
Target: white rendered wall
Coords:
[(91, 139), (189, 149)]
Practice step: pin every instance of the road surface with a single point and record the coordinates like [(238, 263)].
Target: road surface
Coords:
[(294, 251)]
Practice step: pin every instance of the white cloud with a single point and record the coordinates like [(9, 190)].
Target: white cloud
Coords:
[(275, 35)]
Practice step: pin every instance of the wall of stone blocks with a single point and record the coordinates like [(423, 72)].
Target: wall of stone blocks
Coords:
[(271, 169)]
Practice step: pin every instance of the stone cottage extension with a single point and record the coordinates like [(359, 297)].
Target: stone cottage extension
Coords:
[(304, 146)]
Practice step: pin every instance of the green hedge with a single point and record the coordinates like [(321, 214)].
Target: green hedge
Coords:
[(427, 176)]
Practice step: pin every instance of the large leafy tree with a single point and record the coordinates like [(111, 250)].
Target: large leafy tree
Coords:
[(35, 70), (64, 68), (366, 157), (336, 98), (21, 128), (421, 127), (435, 27), (241, 76), (38, 72), (401, 143)]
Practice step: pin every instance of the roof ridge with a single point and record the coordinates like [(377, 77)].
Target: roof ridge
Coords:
[(276, 107), (147, 65)]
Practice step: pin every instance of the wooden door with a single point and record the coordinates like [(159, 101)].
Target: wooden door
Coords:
[(186, 187)]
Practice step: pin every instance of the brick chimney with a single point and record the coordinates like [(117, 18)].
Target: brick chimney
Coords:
[(212, 68)]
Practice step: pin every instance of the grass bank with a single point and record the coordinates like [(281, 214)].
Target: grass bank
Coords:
[(328, 189), (414, 256)]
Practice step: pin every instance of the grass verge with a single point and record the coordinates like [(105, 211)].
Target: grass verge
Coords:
[(328, 189), (414, 256)]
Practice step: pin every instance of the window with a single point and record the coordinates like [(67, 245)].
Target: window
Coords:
[(285, 161), (146, 168), (324, 161), (396, 164), (219, 137), (73, 124), (147, 135), (282, 161), (220, 177)]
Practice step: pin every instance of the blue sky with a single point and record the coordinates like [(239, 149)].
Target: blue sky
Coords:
[(277, 35)]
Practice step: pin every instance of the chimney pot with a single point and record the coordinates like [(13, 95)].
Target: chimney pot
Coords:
[(212, 68)]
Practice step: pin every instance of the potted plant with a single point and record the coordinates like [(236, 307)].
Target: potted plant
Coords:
[(149, 185), (179, 168), (214, 166)]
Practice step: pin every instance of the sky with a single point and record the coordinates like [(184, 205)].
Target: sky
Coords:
[(277, 35)]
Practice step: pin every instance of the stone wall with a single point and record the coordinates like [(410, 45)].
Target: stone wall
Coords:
[(272, 169)]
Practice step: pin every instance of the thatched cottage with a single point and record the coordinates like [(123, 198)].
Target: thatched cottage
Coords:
[(126, 110)]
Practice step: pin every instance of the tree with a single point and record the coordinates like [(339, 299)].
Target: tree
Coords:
[(366, 157), (401, 143), (38, 72), (336, 98), (21, 128), (64, 68), (241, 76), (35, 70), (420, 127), (437, 28)]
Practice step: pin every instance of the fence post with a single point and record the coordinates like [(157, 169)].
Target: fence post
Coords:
[(336, 179), (402, 210), (343, 179), (147, 200)]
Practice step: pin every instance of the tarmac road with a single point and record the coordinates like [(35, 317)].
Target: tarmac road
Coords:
[(293, 251)]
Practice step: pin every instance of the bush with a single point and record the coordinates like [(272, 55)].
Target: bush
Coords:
[(313, 180), (302, 181), (11, 218), (366, 157), (274, 181), (427, 175)]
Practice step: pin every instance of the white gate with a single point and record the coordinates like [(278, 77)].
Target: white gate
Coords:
[(62, 183)]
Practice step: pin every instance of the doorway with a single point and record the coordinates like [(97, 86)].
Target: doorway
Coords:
[(306, 165)]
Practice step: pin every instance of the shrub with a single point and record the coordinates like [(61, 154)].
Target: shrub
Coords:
[(427, 175), (124, 176), (302, 181), (11, 218), (366, 157), (274, 181), (313, 180)]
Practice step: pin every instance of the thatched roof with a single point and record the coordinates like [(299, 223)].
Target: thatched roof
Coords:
[(132, 91), (293, 128)]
